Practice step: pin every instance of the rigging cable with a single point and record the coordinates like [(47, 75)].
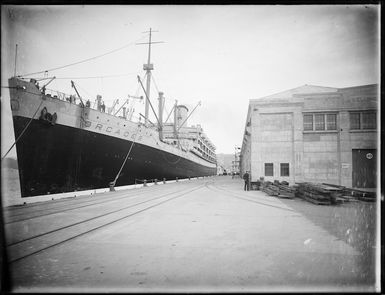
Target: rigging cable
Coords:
[(164, 157), (96, 77), (152, 76), (80, 78), (132, 104), (164, 106), (84, 60), (153, 79), (83, 89)]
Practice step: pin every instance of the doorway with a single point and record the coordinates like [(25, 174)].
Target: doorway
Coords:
[(364, 168)]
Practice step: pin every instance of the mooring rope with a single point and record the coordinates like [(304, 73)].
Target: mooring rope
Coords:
[(25, 128), (125, 160)]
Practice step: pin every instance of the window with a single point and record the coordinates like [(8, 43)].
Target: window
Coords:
[(368, 120), (308, 122), (285, 169), (331, 122), (269, 171), (355, 121), (319, 122), (363, 120)]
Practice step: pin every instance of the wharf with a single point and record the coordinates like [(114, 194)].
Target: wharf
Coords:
[(201, 235)]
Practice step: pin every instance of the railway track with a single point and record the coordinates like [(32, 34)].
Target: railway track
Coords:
[(32, 245), (73, 204)]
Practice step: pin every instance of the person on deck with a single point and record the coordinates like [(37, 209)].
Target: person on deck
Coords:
[(99, 102)]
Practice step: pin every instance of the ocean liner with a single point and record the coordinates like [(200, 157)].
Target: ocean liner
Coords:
[(63, 144)]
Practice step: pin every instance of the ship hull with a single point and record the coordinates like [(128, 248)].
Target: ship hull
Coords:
[(59, 158)]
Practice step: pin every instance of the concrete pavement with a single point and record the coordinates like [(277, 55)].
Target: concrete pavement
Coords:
[(215, 239)]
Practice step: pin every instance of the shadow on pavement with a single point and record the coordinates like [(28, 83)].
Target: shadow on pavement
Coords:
[(353, 223)]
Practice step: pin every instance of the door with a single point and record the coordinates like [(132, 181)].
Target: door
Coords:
[(364, 168)]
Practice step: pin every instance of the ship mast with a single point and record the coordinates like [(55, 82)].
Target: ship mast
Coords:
[(148, 68)]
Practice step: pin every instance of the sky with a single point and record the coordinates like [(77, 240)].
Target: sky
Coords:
[(222, 56)]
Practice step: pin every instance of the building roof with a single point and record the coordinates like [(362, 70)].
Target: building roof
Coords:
[(363, 87), (305, 89)]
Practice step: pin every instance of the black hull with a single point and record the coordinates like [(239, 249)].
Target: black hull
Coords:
[(56, 159)]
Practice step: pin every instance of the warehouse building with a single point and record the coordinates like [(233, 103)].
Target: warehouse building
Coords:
[(313, 134)]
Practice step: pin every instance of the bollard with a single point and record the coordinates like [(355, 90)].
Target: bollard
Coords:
[(156, 181), (189, 178), (112, 186), (164, 180), (144, 182), (176, 178)]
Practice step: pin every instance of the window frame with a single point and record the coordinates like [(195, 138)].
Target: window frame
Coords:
[(319, 123), (334, 122), (367, 125), (283, 168), (326, 123), (359, 121), (308, 123), (272, 169), (361, 125)]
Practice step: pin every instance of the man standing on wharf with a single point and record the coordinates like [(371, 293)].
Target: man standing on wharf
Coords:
[(246, 178)]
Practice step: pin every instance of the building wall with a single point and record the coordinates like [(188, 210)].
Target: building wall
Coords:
[(273, 140), (278, 136), (356, 99), (245, 156)]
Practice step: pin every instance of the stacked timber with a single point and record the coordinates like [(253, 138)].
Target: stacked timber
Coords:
[(316, 193), (277, 189), (285, 191), (319, 194), (269, 188), (354, 194), (361, 195)]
